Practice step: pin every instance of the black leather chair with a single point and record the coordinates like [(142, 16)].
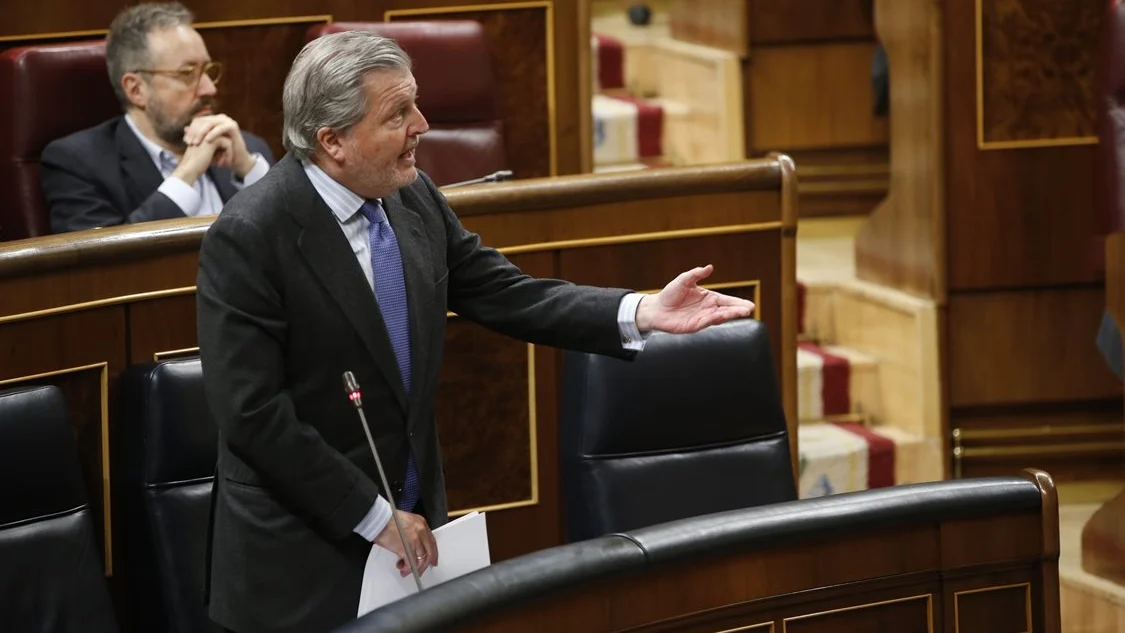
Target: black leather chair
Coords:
[(693, 425), (167, 449), (52, 575)]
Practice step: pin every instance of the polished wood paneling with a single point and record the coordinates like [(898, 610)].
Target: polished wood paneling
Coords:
[(902, 245), (485, 421), (810, 21), (1006, 609), (908, 615), (1010, 219), (813, 97), (176, 318), (721, 24), (1037, 69), (991, 213), (1021, 347), (133, 288)]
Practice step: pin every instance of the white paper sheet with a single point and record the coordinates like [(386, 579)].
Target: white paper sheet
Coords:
[(462, 548)]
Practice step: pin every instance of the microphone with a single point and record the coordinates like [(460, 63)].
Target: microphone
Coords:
[(352, 389), (500, 176)]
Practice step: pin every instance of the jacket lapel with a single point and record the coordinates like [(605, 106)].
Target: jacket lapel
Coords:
[(417, 268), (140, 174), (331, 259)]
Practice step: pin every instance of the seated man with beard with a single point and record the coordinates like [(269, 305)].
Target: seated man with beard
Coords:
[(171, 155)]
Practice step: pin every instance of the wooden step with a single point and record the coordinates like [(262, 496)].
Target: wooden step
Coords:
[(836, 381), (846, 457)]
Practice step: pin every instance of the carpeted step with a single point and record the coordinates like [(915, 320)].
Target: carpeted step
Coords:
[(608, 55), (627, 130), (835, 381), (846, 457)]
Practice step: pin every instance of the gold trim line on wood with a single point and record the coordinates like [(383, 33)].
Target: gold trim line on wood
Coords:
[(103, 379), (641, 237), (926, 596), (983, 145), (174, 353), (1071, 141), (1052, 450), (1036, 431), (99, 303), (225, 24), (748, 628), (1026, 601), (533, 448), (549, 42)]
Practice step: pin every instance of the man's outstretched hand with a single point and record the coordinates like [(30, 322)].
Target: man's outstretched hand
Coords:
[(683, 306)]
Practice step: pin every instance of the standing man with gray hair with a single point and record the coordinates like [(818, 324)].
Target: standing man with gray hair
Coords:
[(172, 154), (346, 258)]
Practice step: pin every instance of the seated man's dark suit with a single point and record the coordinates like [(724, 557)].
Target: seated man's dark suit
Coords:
[(102, 176)]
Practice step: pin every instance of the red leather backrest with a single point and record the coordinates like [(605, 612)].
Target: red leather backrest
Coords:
[(456, 93), (50, 91)]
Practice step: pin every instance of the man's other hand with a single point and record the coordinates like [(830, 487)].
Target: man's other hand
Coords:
[(418, 534)]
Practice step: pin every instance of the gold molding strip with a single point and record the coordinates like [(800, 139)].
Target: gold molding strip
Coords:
[(103, 379), (549, 9), (224, 24), (174, 353), (1026, 601), (767, 625), (730, 229), (926, 596), (99, 303), (983, 145), (533, 449), (1036, 431), (1045, 450), (961, 452)]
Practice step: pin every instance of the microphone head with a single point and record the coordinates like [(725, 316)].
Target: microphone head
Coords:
[(351, 386)]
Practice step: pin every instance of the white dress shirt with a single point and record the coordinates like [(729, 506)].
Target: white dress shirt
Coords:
[(203, 197), (345, 205)]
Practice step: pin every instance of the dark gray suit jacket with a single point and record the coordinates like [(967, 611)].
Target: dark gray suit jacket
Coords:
[(284, 310), (102, 176)]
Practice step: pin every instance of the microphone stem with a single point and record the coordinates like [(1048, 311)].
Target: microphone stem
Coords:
[(394, 514)]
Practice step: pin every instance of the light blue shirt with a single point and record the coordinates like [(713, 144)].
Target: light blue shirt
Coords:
[(203, 197), (345, 205)]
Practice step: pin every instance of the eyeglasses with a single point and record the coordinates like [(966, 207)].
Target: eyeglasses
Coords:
[(192, 73)]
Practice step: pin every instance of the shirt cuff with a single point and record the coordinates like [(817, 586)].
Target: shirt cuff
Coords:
[(377, 518), (182, 194), (631, 337), (255, 174)]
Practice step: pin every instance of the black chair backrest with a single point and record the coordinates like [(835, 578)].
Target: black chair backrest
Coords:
[(167, 445), (52, 575), (691, 426)]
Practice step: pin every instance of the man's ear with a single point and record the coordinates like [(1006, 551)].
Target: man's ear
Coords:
[(135, 88), (331, 142)]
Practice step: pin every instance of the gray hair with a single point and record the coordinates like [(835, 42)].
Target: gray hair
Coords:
[(325, 86), (126, 45)]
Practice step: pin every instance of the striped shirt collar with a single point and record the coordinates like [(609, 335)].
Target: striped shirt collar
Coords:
[(343, 202)]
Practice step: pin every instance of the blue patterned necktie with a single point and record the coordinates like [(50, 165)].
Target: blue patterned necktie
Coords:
[(390, 291)]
